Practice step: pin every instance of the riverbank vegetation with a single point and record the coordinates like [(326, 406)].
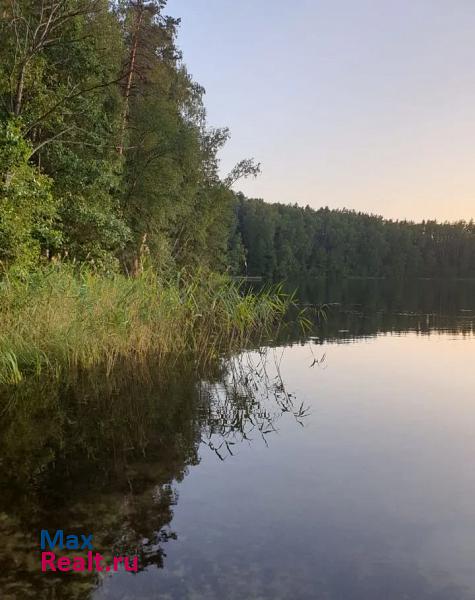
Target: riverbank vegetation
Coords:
[(118, 232), (114, 220), (60, 322)]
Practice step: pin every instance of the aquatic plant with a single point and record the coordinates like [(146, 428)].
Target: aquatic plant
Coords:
[(60, 320)]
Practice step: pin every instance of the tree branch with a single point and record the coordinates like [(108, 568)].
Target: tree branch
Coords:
[(71, 97), (49, 140)]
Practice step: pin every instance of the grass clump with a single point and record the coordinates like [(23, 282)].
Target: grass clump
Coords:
[(58, 321)]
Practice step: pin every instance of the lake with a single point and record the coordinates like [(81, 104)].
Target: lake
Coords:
[(335, 464)]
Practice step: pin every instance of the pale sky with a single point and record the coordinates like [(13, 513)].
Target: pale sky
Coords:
[(363, 104)]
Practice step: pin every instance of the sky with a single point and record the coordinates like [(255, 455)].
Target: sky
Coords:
[(360, 104)]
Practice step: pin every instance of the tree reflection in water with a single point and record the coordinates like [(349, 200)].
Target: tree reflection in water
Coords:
[(103, 456)]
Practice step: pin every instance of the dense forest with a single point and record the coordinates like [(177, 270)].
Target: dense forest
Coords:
[(280, 241), (106, 160), (105, 155)]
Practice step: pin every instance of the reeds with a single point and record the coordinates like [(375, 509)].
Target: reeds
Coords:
[(59, 321)]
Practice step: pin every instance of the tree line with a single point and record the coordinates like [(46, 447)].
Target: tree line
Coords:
[(277, 241)]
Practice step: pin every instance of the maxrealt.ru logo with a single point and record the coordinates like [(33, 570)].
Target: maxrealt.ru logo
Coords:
[(93, 561)]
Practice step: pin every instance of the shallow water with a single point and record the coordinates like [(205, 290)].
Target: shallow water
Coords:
[(335, 467)]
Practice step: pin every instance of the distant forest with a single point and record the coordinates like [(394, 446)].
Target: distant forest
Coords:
[(278, 241)]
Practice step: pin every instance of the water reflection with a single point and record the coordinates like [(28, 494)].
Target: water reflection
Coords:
[(358, 308), (247, 403), (209, 478), (105, 456)]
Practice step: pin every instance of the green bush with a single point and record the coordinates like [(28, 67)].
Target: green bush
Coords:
[(28, 212)]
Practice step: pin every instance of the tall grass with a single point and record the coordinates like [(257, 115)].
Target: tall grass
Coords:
[(59, 321)]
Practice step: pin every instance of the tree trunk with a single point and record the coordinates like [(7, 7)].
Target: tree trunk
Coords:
[(130, 75), (19, 90)]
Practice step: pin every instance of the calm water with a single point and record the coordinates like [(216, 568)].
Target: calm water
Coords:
[(337, 466)]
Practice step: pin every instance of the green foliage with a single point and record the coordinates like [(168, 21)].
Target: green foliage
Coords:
[(28, 211), (93, 231), (284, 241), (173, 196), (114, 128)]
